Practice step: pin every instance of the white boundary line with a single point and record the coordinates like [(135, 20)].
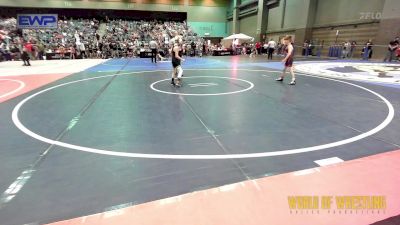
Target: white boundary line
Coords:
[(214, 94), (20, 87), (30, 133), (203, 84), (329, 161), (106, 63)]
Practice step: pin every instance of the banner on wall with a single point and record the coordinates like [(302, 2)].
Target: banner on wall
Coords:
[(37, 21), (209, 29)]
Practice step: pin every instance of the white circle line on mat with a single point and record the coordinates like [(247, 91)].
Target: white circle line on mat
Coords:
[(358, 137), (251, 85), (20, 87)]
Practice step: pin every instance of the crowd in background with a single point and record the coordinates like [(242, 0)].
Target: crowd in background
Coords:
[(82, 38), (346, 49), (129, 38), (268, 47), (352, 49), (72, 36)]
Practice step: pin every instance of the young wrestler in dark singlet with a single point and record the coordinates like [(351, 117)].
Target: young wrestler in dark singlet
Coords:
[(176, 53), (288, 60)]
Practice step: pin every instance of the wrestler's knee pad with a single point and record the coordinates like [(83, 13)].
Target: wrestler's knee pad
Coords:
[(179, 71)]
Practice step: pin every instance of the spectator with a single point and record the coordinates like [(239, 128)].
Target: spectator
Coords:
[(122, 38), (72, 52), (153, 46), (253, 51), (352, 48), (280, 48), (367, 50), (397, 40), (40, 50), (3, 52), (265, 48), (82, 50), (28, 49), (305, 48), (258, 48), (392, 49), (25, 57), (271, 48), (61, 50), (346, 49)]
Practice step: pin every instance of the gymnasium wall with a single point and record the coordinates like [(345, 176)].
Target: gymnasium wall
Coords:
[(358, 33), (357, 20), (247, 25), (391, 9), (246, 17), (344, 11), (206, 16), (229, 27), (245, 1), (295, 12), (206, 19), (230, 5), (275, 18), (328, 12)]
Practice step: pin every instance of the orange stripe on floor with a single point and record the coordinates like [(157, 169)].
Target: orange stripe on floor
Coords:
[(265, 200), (10, 86)]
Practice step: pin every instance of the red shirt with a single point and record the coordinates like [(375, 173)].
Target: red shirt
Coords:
[(258, 45), (2, 34), (28, 47)]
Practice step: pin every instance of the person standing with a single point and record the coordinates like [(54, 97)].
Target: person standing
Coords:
[(176, 54), (253, 51), (288, 60), (73, 52), (61, 50), (82, 50), (367, 50), (193, 49), (397, 41), (271, 48), (234, 47), (29, 49), (352, 48), (153, 47), (392, 48), (258, 48), (25, 57), (305, 48), (40, 48), (265, 48), (346, 49)]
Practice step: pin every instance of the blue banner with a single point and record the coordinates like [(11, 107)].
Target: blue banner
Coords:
[(37, 21)]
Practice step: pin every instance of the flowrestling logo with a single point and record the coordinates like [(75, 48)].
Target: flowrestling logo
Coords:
[(37, 21)]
